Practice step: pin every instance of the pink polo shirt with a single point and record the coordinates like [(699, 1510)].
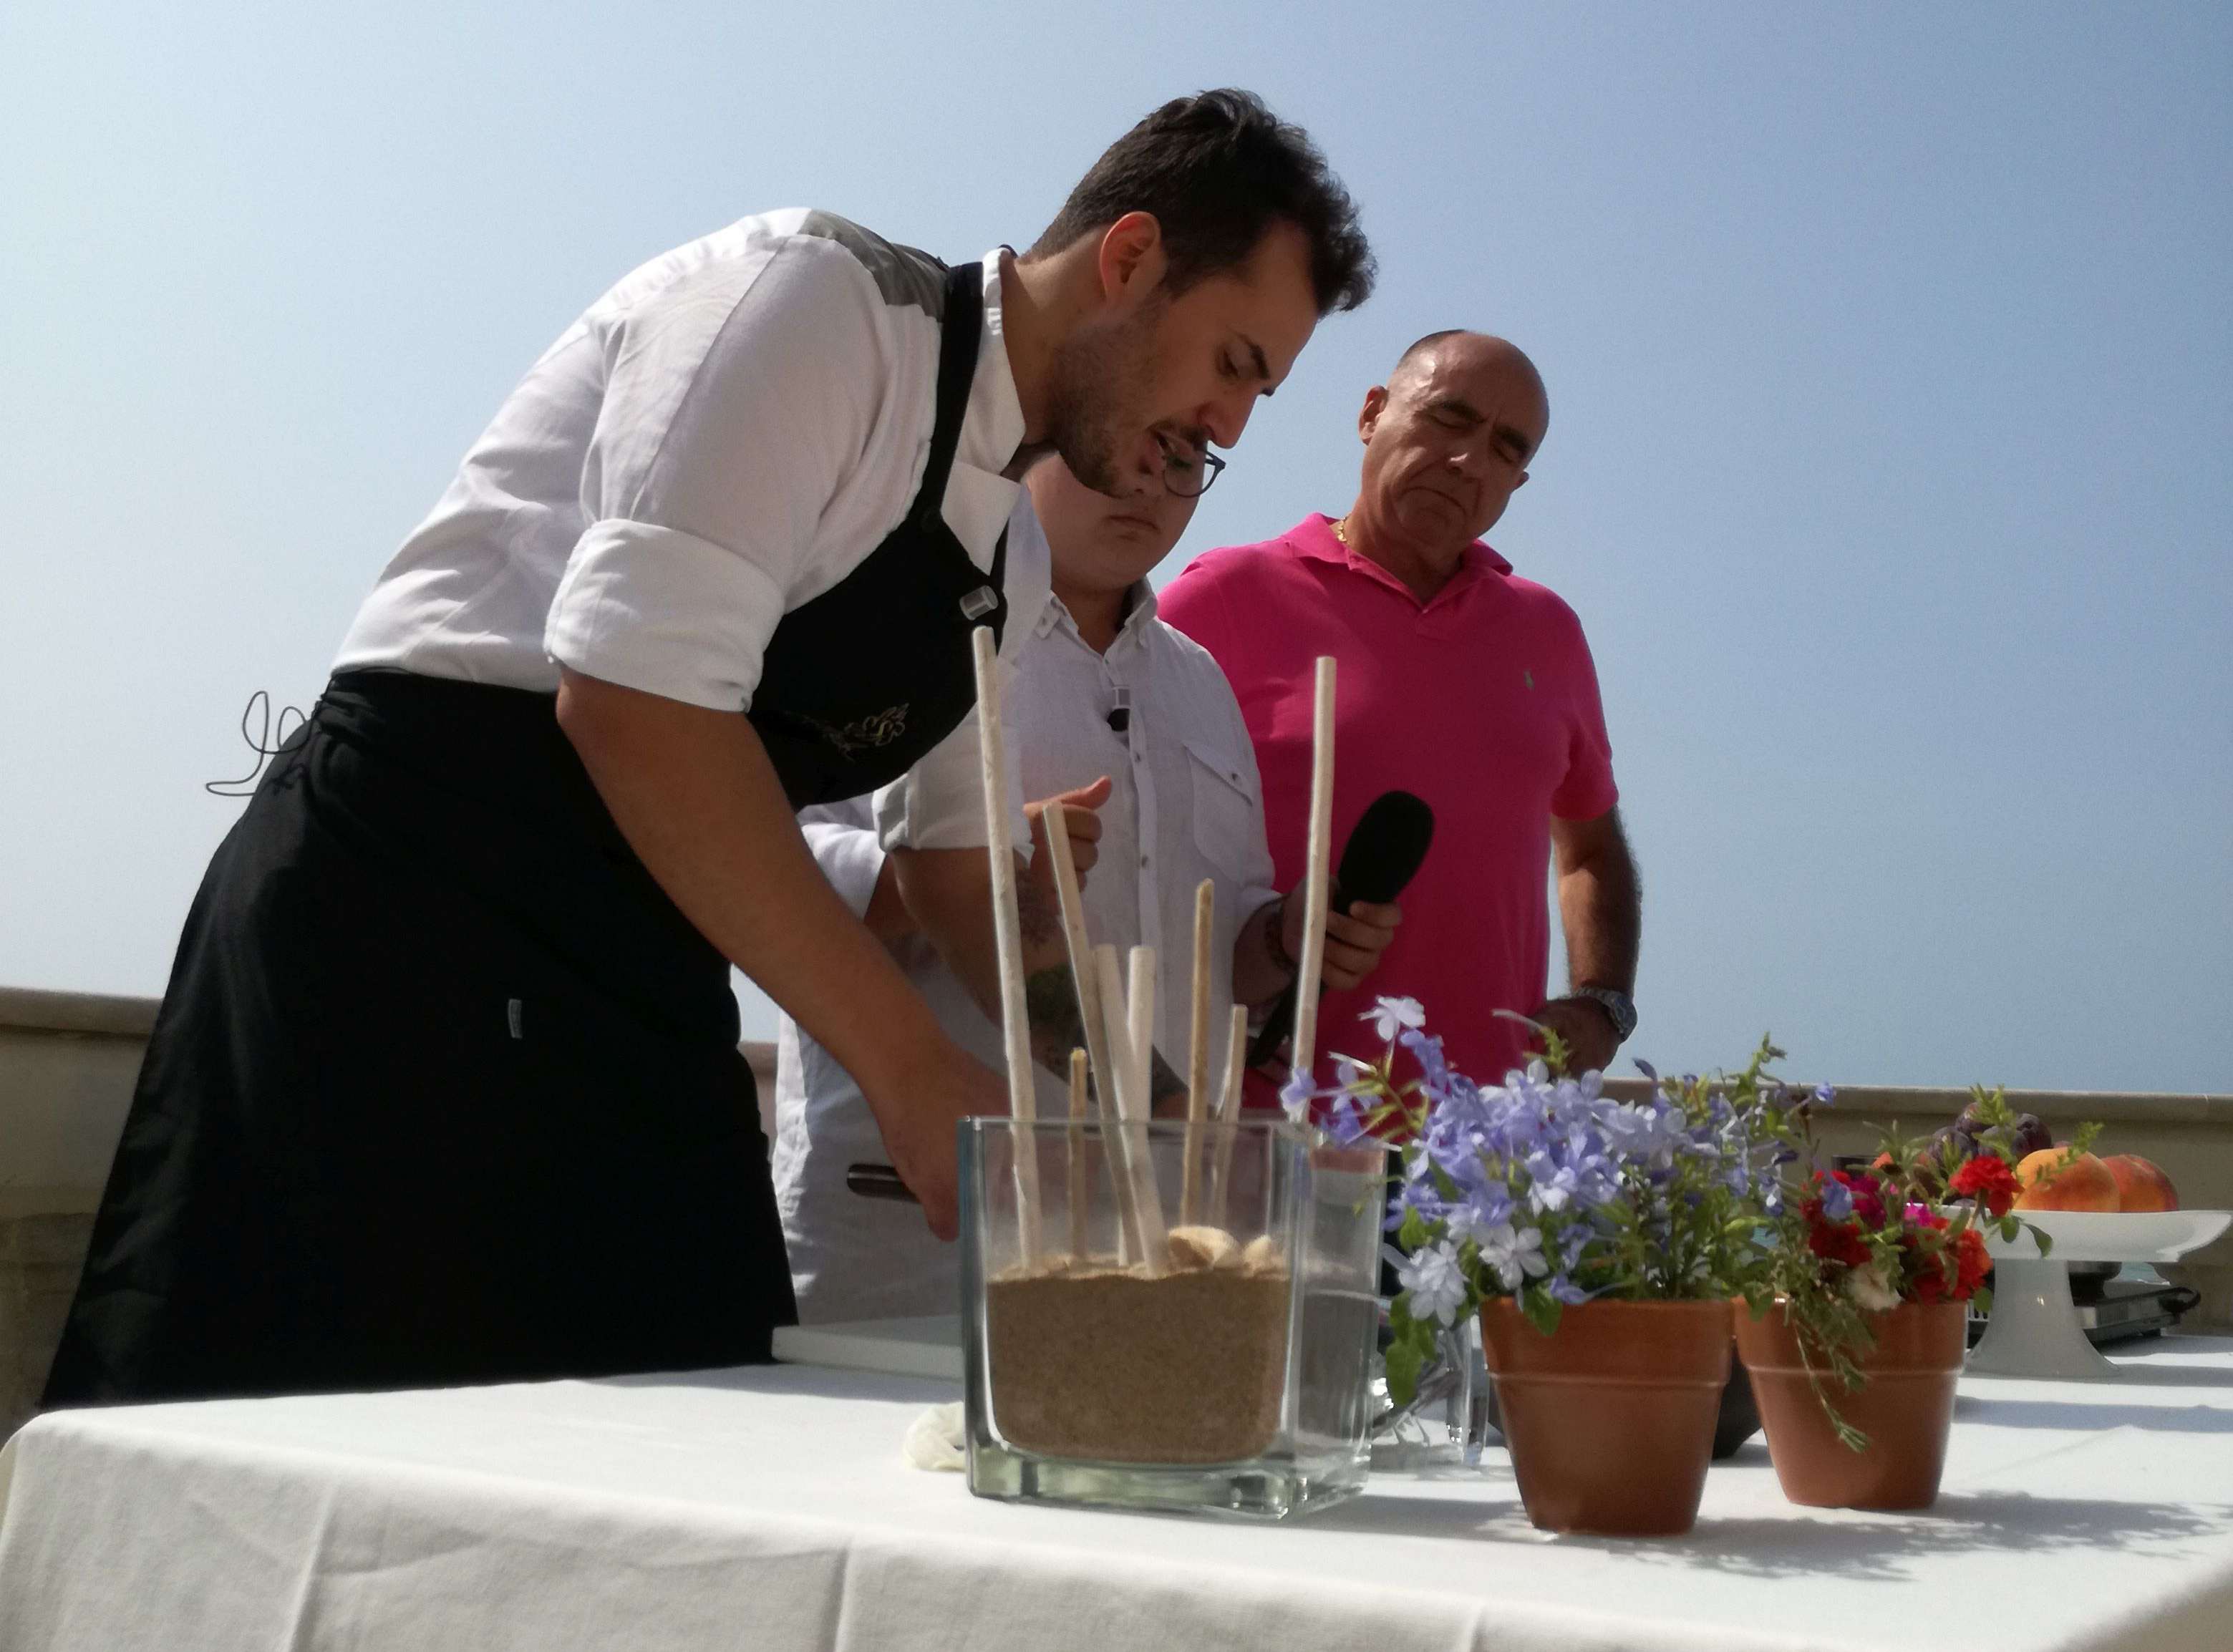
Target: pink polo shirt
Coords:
[(1483, 701)]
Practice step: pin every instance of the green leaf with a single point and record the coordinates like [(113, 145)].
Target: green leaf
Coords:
[(1407, 1356), (1413, 1234), (1541, 1309)]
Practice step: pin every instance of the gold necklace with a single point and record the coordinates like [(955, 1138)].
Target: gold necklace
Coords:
[(1341, 529)]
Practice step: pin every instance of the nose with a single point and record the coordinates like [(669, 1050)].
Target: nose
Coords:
[(1226, 417)]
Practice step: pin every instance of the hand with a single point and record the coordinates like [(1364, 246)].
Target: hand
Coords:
[(1079, 806), (1586, 1027), (1354, 940), (919, 1128)]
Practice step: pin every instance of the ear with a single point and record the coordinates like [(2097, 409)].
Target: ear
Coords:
[(1521, 482), (1368, 419), (1132, 260)]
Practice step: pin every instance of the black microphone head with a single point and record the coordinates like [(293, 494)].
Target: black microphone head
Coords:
[(1385, 849)]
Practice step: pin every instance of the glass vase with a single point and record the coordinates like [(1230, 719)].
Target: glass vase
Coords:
[(1168, 1316)]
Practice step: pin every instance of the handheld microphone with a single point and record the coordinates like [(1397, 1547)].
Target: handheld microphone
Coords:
[(1383, 854)]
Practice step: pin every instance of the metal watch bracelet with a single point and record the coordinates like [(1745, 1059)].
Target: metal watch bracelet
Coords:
[(1617, 1004)]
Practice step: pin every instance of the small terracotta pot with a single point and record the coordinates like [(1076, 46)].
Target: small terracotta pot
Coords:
[(1611, 1421), (1906, 1407)]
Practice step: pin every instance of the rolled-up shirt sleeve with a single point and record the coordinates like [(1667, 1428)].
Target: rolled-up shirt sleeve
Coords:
[(738, 402)]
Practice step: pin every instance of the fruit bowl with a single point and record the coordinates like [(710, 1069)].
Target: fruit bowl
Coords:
[(2033, 1330), (2114, 1236)]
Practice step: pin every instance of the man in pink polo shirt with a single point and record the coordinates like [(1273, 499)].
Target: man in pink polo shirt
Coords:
[(1459, 681)]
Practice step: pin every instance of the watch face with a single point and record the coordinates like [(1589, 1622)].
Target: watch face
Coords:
[(1617, 1004)]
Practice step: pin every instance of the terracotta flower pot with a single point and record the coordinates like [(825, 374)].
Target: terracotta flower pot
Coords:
[(1906, 1407), (1611, 1421)]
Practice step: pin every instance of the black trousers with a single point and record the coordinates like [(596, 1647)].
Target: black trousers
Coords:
[(444, 1089)]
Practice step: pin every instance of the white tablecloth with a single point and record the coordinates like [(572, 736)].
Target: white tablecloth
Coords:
[(769, 1509)]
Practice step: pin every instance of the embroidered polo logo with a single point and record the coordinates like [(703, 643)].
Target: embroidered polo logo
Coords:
[(1526, 677), (880, 728)]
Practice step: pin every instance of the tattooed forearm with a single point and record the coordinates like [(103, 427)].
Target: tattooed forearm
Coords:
[(1038, 914), (1051, 998)]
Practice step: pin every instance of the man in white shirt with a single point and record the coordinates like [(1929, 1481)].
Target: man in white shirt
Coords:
[(1113, 710), (444, 1087)]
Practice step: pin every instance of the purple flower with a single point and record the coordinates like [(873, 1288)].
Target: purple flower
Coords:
[(1487, 1208), (1837, 1201), (1296, 1095), (1390, 1015), (1436, 1282), (1550, 1184), (1514, 1255)]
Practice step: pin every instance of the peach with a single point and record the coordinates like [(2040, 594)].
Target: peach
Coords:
[(2141, 1184), (2086, 1184)]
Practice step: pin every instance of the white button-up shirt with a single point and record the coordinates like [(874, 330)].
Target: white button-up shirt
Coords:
[(1185, 805), (724, 436)]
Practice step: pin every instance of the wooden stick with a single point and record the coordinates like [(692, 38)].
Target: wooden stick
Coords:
[(1116, 1142), (1205, 916), (1313, 963), (1147, 1196), (1007, 934), (1229, 1110), (1077, 1234), (1094, 1018), (1090, 1010)]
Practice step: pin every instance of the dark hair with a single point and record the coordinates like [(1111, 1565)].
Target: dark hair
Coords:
[(1217, 170)]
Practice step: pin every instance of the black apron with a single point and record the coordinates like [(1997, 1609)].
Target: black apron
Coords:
[(444, 1088)]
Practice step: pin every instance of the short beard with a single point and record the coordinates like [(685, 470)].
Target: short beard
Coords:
[(1098, 393)]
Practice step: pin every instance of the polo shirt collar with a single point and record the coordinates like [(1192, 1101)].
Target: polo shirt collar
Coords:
[(1313, 538)]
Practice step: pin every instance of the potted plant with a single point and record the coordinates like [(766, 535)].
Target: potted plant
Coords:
[(1857, 1322), (1599, 1241)]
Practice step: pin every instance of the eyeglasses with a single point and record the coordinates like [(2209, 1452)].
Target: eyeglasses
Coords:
[(1188, 472)]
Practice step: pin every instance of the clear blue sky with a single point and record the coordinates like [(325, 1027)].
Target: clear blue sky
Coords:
[(1890, 352)]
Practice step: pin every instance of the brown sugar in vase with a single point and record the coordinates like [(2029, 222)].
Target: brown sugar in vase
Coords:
[(1906, 1407), (1610, 1421)]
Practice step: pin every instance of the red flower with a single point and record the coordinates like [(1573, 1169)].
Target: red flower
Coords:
[(1868, 1198), (1834, 1241), (1972, 1260), (1988, 1179), (1949, 1275)]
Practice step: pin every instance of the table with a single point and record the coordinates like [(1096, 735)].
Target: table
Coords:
[(768, 1508)]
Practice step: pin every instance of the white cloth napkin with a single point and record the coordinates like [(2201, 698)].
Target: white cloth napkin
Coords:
[(934, 1440)]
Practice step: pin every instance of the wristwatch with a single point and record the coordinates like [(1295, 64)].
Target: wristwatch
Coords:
[(1614, 1003)]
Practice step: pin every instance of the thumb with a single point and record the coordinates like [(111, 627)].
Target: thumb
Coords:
[(1091, 796)]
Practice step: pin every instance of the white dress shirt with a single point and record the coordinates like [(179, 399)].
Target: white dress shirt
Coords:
[(1185, 806), (724, 436)]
